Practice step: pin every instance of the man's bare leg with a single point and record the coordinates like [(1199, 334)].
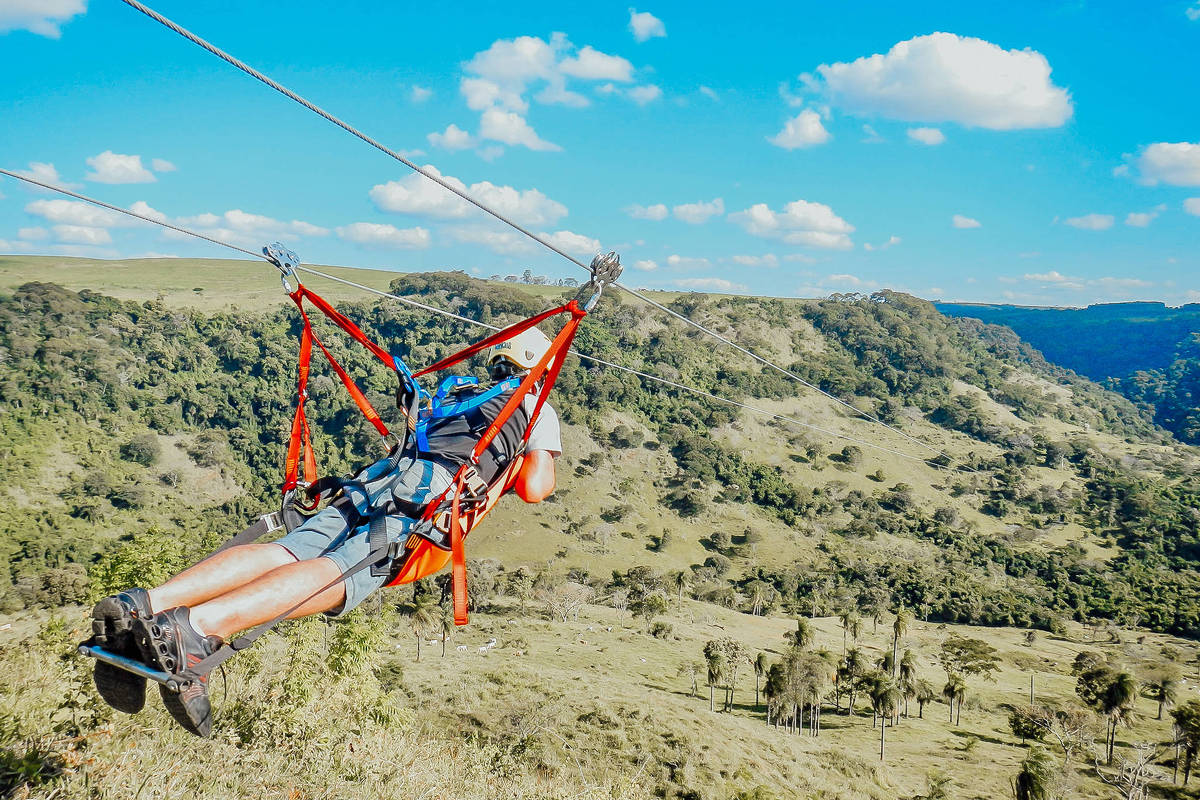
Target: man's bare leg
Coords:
[(218, 574), (268, 596)]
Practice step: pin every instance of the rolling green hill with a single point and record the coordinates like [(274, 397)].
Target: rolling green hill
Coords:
[(137, 430)]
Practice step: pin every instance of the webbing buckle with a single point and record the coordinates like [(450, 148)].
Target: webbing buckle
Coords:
[(285, 261), (605, 271)]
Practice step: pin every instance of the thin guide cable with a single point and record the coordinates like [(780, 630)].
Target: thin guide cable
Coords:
[(259, 76)]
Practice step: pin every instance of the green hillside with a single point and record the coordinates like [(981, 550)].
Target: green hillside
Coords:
[(137, 430)]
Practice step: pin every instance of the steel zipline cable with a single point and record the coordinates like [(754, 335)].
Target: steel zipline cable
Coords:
[(438, 179), (451, 315)]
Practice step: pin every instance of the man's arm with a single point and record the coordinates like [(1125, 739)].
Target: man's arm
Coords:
[(535, 481)]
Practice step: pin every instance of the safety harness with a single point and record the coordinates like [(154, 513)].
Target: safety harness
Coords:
[(444, 522)]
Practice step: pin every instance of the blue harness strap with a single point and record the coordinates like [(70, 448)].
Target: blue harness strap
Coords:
[(439, 409)]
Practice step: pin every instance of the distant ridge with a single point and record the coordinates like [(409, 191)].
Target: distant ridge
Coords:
[(1107, 340)]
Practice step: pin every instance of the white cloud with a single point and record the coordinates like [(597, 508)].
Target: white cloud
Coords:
[(1055, 279), (575, 243), (845, 279), (656, 212), (46, 173), (416, 194), (943, 77), (710, 285), (644, 94), (644, 25), (686, 262), (453, 138), (490, 152), (82, 234), (1121, 283), (959, 221), (1091, 222), (1175, 163), (511, 128), (800, 257), (710, 93), (143, 208), (1193, 12), (870, 136), (929, 136), (591, 65), (1141, 219), (766, 260), (243, 228), (699, 213), (497, 81), (32, 234), (1192, 206), (42, 17), (891, 242), (803, 130), (503, 242), (419, 94), (482, 94), (162, 165), (74, 212), (800, 222), (386, 236), (110, 167), (646, 265)]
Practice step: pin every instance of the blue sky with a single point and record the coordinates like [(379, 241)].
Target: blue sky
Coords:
[(1032, 152)]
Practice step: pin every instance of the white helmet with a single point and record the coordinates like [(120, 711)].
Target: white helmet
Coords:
[(524, 350)]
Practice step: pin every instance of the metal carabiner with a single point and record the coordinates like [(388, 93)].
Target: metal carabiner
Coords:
[(286, 261)]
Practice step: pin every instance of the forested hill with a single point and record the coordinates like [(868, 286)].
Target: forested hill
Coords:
[(123, 419), (1146, 351)]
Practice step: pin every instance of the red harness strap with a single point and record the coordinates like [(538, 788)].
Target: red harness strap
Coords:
[(547, 368)]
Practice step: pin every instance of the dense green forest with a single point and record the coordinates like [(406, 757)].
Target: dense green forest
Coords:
[(92, 387), (1146, 351)]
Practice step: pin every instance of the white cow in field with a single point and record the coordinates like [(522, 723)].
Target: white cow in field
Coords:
[(490, 643), (483, 650), (462, 648)]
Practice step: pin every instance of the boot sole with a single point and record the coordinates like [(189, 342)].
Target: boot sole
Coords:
[(122, 690), (175, 705), (111, 627)]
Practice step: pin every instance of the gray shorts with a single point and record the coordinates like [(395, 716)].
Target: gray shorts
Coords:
[(327, 534)]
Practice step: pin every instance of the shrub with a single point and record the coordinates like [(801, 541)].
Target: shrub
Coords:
[(661, 630), (143, 449)]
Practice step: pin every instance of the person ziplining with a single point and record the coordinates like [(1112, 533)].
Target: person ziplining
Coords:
[(394, 521)]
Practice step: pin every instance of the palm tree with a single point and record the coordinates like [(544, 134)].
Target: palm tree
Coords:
[(446, 621), (899, 628), (923, 693), (420, 620), (1117, 705), (1163, 687), (955, 691), (885, 699), (854, 666), (680, 580), (851, 624), (760, 669), (907, 673), (801, 637)]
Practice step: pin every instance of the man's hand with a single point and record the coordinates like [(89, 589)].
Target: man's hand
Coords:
[(535, 481)]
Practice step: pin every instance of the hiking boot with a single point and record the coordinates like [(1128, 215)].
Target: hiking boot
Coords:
[(169, 642), (112, 622)]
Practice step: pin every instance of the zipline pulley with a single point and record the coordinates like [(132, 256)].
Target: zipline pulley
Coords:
[(606, 269), (286, 261)]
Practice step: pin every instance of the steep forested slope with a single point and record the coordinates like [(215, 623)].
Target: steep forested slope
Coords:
[(1061, 501), (1146, 351)]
